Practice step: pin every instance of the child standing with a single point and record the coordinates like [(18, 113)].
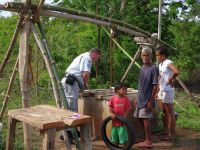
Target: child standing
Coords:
[(119, 105), (167, 74)]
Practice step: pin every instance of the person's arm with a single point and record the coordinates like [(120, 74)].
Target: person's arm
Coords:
[(152, 99), (128, 107), (158, 87), (111, 112), (86, 76), (110, 105), (154, 90), (175, 73)]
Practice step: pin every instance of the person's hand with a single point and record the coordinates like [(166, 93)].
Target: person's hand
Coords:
[(149, 107), (135, 103), (112, 115), (170, 82), (86, 86)]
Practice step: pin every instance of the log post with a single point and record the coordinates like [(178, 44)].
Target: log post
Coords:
[(11, 133), (86, 140), (25, 79), (49, 139)]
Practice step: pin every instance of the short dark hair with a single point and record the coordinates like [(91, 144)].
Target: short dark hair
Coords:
[(162, 50), (119, 85), (95, 50)]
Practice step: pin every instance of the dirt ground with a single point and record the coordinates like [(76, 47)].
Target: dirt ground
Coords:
[(186, 139)]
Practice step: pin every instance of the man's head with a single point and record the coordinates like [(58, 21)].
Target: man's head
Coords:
[(95, 54), (146, 55)]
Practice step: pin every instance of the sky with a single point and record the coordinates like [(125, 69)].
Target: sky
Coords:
[(7, 14)]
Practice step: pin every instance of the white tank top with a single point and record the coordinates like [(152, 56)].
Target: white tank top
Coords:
[(165, 74)]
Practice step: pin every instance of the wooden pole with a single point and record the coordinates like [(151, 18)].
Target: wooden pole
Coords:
[(12, 43), (14, 38), (159, 19), (111, 59), (86, 17), (48, 65), (121, 48), (131, 64), (7, 96), (98, 39), (53, 65), (25, 79), (36, 17), (184, 86)]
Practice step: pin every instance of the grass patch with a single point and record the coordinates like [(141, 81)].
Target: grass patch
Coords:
[(189, 112)]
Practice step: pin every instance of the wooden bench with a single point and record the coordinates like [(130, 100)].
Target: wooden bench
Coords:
[(48, 119)]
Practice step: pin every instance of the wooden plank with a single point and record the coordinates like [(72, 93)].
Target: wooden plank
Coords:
[(49, 139), (11, 133)]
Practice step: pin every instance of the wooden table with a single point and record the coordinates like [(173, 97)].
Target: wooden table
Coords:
[(48, 119)]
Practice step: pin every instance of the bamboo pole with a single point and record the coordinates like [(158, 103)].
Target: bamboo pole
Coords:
[(131, 64), (53, 65), (122, 49), (184, 86), (7, 96), (14, 38), (89, 20), (48, 65), (12, 43), (60, 87), (87, 17)]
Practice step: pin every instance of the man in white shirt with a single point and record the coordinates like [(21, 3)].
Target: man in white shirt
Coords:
[(77, 76), (76, 79)]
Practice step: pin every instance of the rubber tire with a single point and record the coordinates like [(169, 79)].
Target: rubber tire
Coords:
[(130, 130)]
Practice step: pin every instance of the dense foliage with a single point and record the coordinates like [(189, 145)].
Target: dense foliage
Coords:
[(68, 38)]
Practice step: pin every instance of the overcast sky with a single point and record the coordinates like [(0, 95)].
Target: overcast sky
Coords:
[(6, 13)]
